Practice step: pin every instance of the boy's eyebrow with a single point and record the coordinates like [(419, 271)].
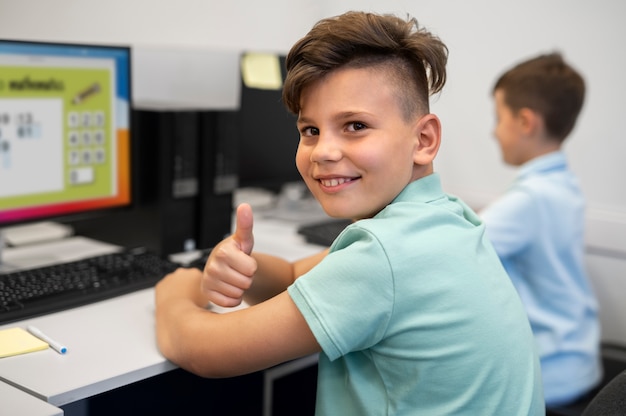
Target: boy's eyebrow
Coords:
[(302, 120), (340, 116)]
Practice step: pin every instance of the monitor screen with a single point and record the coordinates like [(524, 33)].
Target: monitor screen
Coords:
[(64, 129)]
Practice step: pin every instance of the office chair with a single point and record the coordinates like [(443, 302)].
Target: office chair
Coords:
[(611, 400), (614, 365)]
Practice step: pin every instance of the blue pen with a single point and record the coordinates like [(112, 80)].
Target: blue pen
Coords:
[(53, 344)]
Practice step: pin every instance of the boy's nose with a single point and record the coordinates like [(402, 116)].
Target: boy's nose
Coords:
[(326, 149)]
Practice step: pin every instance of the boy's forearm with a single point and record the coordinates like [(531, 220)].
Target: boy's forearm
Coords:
[(186, 335), (171, 316), (272, 277)]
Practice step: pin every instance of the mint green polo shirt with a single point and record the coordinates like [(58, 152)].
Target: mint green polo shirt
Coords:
[(415, 315)]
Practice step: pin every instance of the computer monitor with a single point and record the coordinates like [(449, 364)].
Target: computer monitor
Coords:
[(268, 138), (64, 129)]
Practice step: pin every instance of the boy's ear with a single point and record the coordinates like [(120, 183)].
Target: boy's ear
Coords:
[(428, 139), (530, 121)]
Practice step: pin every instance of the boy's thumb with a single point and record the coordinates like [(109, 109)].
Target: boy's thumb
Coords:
[(243, 228)]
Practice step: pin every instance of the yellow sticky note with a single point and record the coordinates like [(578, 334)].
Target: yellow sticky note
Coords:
[(262, 71), (14, 341)]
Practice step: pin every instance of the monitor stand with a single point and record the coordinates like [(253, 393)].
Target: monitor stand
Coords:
[(27, 235), (35, 233), (51, 252), (4, 267)]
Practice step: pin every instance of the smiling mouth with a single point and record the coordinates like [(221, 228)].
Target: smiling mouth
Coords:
[(335, 181)]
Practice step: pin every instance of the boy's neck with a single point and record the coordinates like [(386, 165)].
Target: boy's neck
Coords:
[(542, 147)]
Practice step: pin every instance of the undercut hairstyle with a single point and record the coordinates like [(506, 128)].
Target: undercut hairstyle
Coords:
[(549, 86), (415, 58)]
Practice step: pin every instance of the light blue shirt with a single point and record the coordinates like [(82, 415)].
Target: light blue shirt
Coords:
[(415, 315), (537, 229)]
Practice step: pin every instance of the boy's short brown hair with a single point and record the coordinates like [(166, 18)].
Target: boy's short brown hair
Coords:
[(414, 58), (548, 85)]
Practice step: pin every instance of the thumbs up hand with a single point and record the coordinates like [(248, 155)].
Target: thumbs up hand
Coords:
[(230, 267)]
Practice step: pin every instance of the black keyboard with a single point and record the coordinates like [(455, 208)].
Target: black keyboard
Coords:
[(323, 232), (28, 293)]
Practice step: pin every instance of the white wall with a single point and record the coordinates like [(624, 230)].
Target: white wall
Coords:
[(484, 37), (265, 25), (185, 52)]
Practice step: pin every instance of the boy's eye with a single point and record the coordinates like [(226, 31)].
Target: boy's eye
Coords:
[(309, 131), (354, 126)]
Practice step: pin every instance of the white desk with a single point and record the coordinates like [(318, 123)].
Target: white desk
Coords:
[(18, 402), (112, 343)]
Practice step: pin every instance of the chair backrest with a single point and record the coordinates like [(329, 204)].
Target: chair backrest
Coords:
[(611, 400)]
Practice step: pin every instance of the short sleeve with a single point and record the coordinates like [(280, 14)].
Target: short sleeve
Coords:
[(347, 299)]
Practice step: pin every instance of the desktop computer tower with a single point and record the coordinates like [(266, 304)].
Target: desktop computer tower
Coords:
[(187, 174), (218, 175), (166, 178)]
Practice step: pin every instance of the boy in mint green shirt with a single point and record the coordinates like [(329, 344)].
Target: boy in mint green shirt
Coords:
[(410, 308)]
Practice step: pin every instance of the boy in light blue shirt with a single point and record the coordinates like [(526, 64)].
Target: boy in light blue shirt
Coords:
[(410, 309), (537, 226)]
